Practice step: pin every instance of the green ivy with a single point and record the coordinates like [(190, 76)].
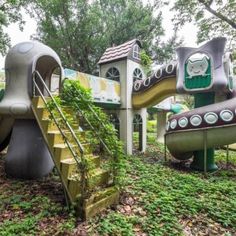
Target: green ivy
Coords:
[(146, 62), (79, 99)]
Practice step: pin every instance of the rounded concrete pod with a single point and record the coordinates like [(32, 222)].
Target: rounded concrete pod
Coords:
[(21, 61), (28, 156)]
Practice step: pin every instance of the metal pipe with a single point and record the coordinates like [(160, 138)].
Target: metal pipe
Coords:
[(57, 107), (227, 157), (165, 156), (205, 151)]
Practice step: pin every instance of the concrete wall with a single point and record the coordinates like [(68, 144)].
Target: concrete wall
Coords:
[(126, 113)]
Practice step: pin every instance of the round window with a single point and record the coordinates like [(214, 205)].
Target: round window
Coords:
[(113, 74)]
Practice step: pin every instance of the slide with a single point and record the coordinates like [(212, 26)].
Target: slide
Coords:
[(6, 125), (156, 88), (206, 126), (189, 128), (216, 124)]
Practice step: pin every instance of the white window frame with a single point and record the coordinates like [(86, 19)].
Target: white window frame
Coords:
[(136, 52)]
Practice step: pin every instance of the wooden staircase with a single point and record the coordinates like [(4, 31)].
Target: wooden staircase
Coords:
[(100, 192)]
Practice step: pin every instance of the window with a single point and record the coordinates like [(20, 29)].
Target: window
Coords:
[(137, 75), (113, 74), (136, 52)]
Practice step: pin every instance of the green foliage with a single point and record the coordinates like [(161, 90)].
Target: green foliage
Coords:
[(79, 102), (151, 126), (213, 18), (80, 31), (188, 100), (169, 196), (116, 224), (146, 62), (24, 222), (9, 13), (165, 200), (79, 99)]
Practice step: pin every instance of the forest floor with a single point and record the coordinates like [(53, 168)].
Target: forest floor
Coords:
[(159, 198)]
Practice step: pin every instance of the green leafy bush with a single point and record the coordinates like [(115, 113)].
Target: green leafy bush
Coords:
[(79, 99)]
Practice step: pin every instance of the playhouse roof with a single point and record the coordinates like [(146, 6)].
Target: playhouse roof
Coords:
[(118, 52)]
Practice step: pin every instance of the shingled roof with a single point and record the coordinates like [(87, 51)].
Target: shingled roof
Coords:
[(118, 52)]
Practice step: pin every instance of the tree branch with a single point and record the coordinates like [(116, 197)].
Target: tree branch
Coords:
[(218, 14)]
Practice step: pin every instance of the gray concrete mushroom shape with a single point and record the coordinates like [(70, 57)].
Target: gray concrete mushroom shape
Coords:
[(27, 156)]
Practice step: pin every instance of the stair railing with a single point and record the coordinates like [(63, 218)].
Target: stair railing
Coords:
[(36, 76), (113, 155)]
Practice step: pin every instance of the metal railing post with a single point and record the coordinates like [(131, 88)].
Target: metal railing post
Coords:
[(74, 153), (205, 151), (227, 157)]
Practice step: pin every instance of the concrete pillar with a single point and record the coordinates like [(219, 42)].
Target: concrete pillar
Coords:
[(126, 129), (27, 156), (143, 114)]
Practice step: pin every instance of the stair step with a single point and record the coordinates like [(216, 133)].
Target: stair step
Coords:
[(42, 113), (49, 126), (98, 177), (38, 101), (68, 168), (55, 138), (99, 201), (61, 152), (68, 110), (92, 161)]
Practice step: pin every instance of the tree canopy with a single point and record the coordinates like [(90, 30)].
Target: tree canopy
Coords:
[(9, 13), (213, 17), (81, 30)]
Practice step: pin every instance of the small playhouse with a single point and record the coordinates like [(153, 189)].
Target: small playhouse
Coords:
[(119, 67)]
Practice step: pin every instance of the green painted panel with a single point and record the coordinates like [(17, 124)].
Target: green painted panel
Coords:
[(198, 81), (203, 99)]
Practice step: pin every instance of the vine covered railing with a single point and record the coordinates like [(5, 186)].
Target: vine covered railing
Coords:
[(80, 100), (63, 125), (101, 131)]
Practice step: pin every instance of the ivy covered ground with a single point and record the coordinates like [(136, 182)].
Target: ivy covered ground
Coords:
[(158, 199)]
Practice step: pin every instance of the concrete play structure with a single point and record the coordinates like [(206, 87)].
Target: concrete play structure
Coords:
[(36, 142), (207, 73)]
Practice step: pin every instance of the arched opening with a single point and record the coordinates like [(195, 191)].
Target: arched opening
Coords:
[(113, 74), (137, 75), (116, 122), (138, 132), (51, 73)]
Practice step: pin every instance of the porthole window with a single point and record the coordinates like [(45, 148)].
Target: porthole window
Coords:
[(136, 52), (113, 74), (137, 74)]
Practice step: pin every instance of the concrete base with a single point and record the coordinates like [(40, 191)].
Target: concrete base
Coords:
[(126, 117), (28, 156)]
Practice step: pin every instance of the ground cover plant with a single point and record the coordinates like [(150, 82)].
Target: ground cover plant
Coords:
[(158, 199)]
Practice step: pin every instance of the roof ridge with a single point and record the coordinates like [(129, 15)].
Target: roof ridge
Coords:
[(122, 45), (118, 52)]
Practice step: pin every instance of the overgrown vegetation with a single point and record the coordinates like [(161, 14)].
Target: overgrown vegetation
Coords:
[(159, 199), (80, 100), (100, 130)]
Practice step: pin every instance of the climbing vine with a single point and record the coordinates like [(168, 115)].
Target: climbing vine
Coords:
[(79, 99), (146, 62)]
